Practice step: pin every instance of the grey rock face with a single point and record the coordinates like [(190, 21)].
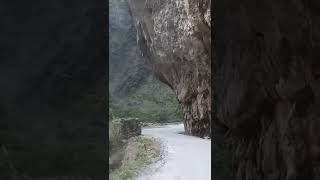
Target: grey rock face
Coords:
[(266, 87), (127, 69), (175, 38)]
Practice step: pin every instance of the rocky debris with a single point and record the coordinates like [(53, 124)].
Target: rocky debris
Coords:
[(266, 87), (174, 37), (129, 127)]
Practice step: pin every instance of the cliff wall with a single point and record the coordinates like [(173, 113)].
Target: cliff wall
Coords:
[(175, 38), (266, 87)]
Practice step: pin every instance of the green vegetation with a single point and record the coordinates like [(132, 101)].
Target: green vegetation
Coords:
[(145, 152), (151, 102), (115, 143)]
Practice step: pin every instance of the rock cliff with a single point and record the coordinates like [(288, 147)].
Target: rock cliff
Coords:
[(266, 77), (52, 115), (127, 70), (266, 87), (175, 39), (133, 90)]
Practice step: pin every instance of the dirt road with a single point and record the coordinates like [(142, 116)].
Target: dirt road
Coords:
[(182, 158)]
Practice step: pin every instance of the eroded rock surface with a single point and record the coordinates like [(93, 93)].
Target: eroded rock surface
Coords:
[(175, 38), (267, 87)]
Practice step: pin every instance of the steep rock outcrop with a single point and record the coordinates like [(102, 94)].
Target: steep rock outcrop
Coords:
[(175, 38), (52, 114), (266, 87), (127, 70)]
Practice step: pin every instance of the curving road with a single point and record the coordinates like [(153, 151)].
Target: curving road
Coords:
[(182, 158)]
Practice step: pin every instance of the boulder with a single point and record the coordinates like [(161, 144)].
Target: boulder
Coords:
[(130, 127)]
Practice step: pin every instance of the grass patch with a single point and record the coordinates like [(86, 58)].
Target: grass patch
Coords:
[(115, 142), (140, 153)]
